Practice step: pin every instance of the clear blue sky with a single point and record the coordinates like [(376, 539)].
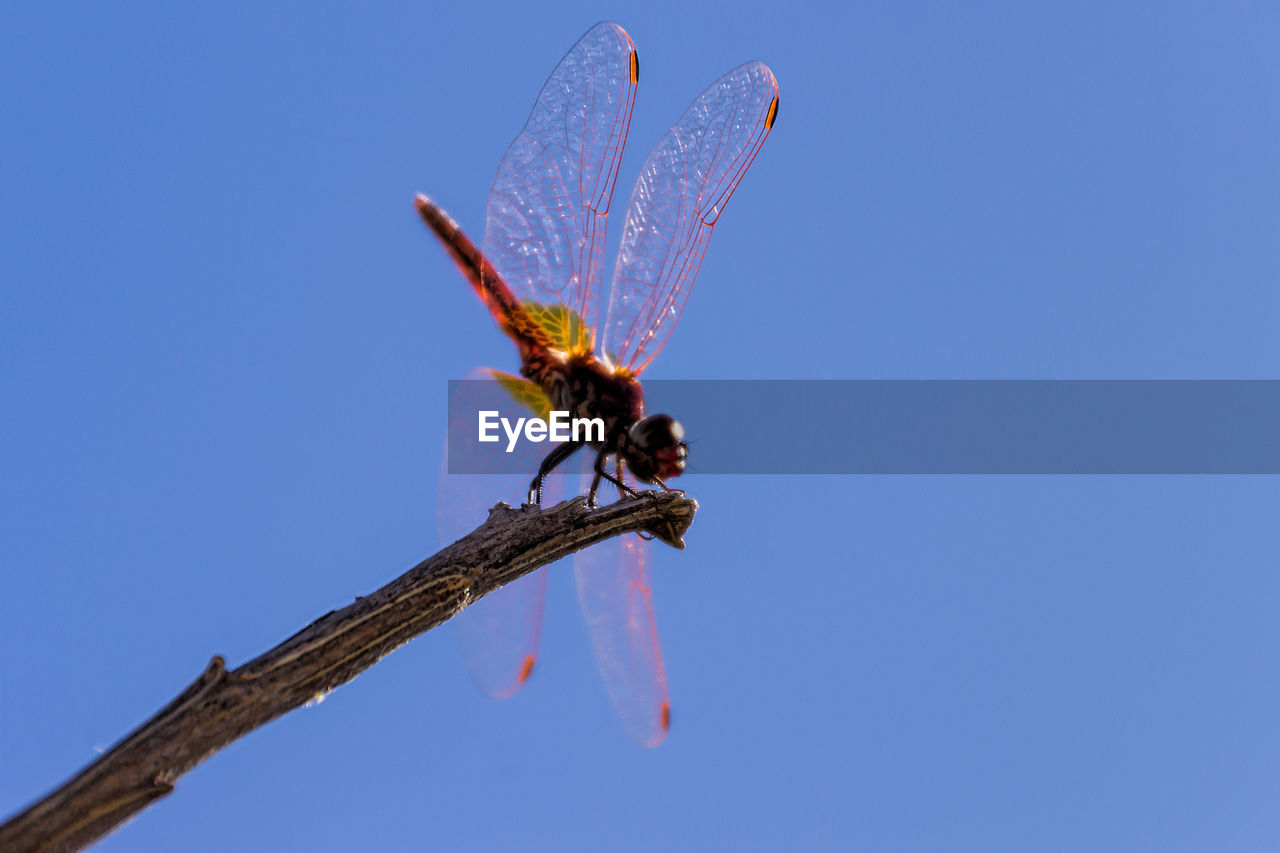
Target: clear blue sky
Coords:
[(224, 345)]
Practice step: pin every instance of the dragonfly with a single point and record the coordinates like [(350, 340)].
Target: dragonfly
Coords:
[(538, 272)]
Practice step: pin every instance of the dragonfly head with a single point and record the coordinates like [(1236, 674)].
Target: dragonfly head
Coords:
[(656, 450)]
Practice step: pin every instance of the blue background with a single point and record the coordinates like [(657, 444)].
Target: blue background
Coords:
[(224, 345)]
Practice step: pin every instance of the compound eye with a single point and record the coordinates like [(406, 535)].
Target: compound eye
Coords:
[(657, 431)]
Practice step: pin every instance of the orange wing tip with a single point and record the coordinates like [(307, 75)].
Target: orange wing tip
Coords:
[(666, 716), (772, 115), (526, 669), (635, 67)]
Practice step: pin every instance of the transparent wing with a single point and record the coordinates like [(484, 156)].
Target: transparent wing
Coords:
[(613, 590), (498, 634), (545, 230), (684, 187)]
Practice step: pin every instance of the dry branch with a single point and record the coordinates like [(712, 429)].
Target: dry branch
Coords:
[(222, 706)]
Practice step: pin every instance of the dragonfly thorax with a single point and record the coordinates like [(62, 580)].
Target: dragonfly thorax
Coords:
[(585, 388), (652, 447)]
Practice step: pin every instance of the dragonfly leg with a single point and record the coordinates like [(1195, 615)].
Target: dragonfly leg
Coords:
[(623, 489), (554, 458), (601, 457), (667, 488)]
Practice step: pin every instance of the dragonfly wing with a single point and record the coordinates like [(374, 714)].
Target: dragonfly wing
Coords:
[(683, 189), (498, 634), (545, 229), (613, 591)]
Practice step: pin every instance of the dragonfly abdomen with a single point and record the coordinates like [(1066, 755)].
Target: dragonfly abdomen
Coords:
[(512, 317)]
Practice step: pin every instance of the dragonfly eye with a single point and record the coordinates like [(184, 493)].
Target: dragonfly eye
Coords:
[(658, 448)]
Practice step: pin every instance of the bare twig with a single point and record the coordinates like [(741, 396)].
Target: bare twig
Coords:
[(221, 706)]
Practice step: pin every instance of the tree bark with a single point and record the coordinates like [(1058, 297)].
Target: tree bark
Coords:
[(221, 705)]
